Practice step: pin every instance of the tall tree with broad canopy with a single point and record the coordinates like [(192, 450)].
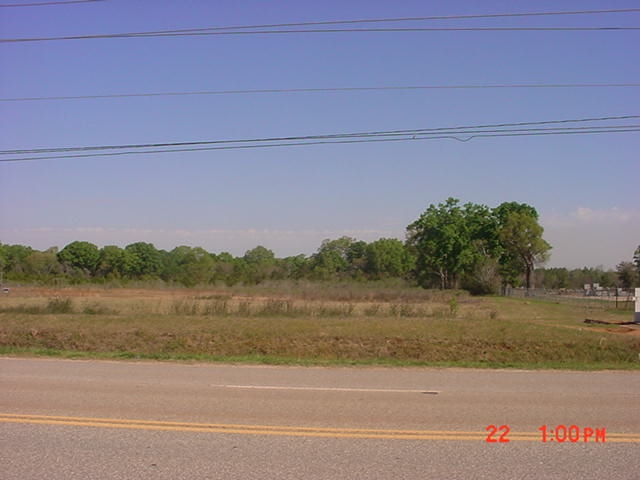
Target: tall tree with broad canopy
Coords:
[(520, 235), (473, 246), (510, 264), (449, 240)]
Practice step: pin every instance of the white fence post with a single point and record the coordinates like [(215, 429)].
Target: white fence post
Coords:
[(636, 315)]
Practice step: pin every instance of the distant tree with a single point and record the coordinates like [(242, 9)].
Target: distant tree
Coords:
[(189, 266), (608, 278), (520, 235), (79, 255), (42, 265), (553, 278), (12, 259), (388, 257), (636, 258), (112, 263), (225, 269), (260, 264), (259, 256), (628, 275), (142, 259), (356, 258), (293, 268), (589, 275), (332, 258)]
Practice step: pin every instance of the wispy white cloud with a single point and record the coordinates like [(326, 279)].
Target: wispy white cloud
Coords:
[(594, 216), (592, 236)]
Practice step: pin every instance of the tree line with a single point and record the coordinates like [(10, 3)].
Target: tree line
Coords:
[(449, 246)]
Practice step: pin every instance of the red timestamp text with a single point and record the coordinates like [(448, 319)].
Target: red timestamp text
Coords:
[(498, 434), (558, 434), (573, 434)]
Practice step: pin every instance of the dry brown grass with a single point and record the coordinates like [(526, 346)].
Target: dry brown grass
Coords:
[(303, 328)]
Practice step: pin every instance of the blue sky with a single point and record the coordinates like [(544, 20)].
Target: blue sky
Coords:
[(290, 199)]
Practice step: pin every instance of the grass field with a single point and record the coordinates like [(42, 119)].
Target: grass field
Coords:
[(314, 325)]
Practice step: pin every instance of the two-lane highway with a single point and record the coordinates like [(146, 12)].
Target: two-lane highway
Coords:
[(95, 419)]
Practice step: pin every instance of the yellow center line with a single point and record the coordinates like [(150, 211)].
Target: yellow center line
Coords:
[(293, 431)]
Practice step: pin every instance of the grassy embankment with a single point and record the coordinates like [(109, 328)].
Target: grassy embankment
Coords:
[(314, 326)]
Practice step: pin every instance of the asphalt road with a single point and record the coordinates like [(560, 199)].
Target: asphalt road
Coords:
[(94, 420)]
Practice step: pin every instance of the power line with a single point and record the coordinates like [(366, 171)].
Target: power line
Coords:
[(332, 142), (254, 29), (327, 89), (323, 136), (332, 30), (463, 134), (44, 4), (403, 19), (392, 20)]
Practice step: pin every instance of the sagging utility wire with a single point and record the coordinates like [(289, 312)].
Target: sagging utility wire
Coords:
[(286, 28), (463, 134)]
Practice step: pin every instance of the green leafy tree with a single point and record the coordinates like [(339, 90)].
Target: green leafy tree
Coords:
[(332, 258), (259, 256), (356, 258), (503, 210), (189, 266), (388, 257), (553, 278), (439, 239), (512, 267), (112, 262), (293, 268), (82, 256), (636, 258), (43, 265), (520, 235), (142, 260), (12, 259), (449, 241), (260, 264), (627, 274), (225, 270), (482, 276)]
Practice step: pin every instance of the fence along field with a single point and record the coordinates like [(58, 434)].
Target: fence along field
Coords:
[(313, 324)]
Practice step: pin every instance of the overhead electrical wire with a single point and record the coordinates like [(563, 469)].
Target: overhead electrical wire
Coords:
[(332, 142), (332, 30), (334, 135), (323, 89), (46, 4), (403, 19), (463, 134), (277, 28)]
